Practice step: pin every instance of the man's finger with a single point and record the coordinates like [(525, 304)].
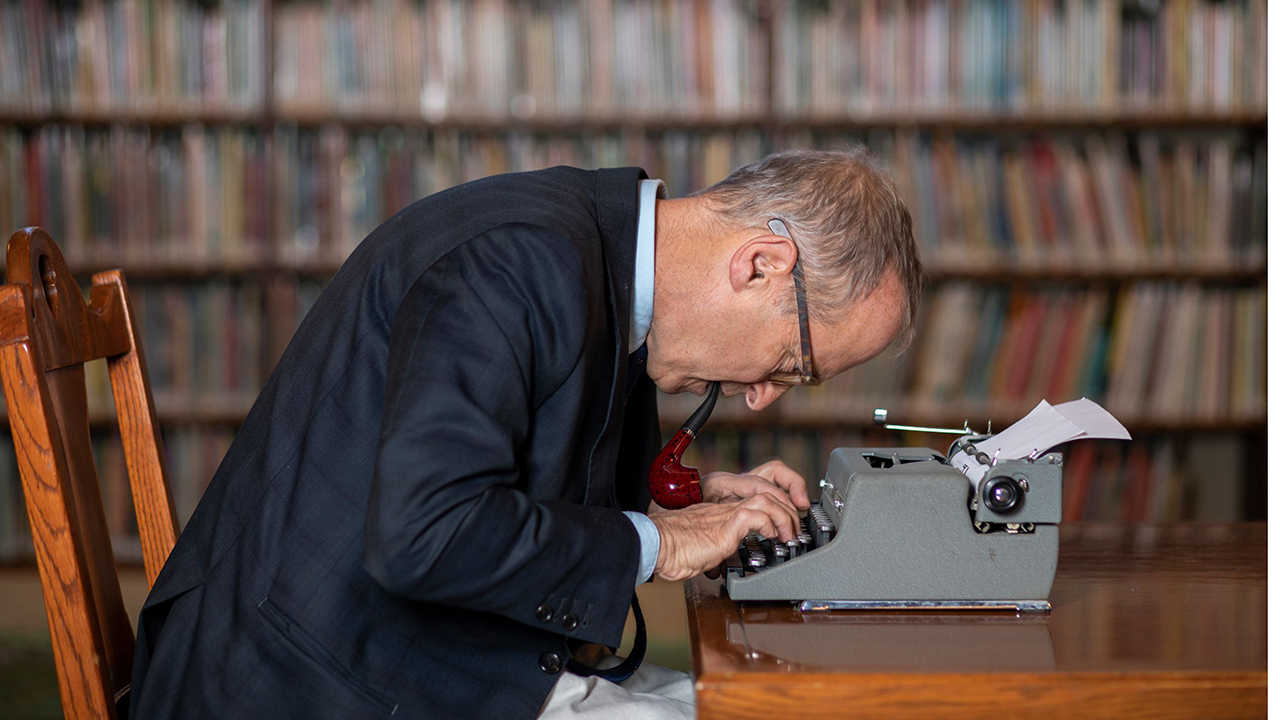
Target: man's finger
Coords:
[(785, 519), (793, 515), (761, 486), (758, 521), (787, 479), (795, 486), (749, 518)]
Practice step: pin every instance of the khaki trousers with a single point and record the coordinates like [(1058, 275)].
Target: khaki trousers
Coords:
[(652, 693)]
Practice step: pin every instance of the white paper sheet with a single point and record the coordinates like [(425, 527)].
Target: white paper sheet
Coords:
[(1045, 427), (1090, 417)]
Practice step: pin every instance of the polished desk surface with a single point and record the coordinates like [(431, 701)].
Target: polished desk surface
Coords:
[(1147, 621)]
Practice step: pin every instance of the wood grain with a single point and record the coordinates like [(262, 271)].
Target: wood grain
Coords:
[(1071, 696), (47, 333), (84, 676), (68, 406), (67, 331), (139, 431), (1148, 621)]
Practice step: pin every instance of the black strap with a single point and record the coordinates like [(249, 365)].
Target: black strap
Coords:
[(626, 668)]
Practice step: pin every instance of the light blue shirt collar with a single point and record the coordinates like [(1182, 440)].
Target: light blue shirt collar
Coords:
[(642, 297)]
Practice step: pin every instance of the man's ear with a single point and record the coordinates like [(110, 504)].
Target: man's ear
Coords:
[(762, 259)]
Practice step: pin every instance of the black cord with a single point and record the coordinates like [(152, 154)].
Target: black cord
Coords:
[(626, 668)]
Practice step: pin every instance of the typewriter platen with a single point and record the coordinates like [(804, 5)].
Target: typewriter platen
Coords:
[(899, 528)]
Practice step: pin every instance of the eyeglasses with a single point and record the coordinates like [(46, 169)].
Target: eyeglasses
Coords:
[(805, 375)]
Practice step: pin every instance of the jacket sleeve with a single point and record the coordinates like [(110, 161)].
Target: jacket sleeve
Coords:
[(484, 336)]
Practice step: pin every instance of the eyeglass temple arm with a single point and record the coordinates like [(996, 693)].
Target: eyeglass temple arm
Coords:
[(797, 273)]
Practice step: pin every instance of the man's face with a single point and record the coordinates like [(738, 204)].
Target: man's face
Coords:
[(746, 342)]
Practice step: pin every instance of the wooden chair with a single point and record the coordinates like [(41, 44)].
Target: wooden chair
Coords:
[(47, 333)]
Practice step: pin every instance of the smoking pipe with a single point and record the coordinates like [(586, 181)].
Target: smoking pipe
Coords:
[(671, 484)]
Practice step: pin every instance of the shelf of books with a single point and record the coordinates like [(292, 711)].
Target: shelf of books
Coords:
[(1087, 180)]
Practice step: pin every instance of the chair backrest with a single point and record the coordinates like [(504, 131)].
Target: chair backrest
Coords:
[(47, 333)]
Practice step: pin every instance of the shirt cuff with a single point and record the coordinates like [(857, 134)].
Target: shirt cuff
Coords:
[(649, 544)]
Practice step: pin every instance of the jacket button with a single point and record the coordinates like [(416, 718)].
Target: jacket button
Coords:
[(550, 663), (545, 613), (570, 621)]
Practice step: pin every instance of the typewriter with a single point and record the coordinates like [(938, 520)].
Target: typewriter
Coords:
[(900, 528)]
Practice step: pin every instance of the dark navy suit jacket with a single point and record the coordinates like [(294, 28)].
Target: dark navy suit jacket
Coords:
[(443, 450)]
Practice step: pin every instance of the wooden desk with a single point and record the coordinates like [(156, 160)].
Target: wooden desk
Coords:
[(1147, 622)]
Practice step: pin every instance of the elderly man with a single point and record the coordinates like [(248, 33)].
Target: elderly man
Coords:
[(440, 496)]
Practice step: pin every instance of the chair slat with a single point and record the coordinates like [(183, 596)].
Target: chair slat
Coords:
[(69, 402), (148, 474), (80, 654), (47, 333)]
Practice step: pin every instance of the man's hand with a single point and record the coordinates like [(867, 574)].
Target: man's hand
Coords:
[(772, 478), (697, 538)]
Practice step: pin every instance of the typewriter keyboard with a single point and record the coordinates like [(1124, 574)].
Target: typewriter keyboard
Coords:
[(757, 553)]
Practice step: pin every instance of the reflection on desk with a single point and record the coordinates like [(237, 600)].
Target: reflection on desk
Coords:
[(897, 642), (1147, 621)]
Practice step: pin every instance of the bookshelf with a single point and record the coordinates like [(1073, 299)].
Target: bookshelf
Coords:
[(1055, 155), (924, 120)]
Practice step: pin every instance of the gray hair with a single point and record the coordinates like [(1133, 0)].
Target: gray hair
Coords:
[(847, 220)]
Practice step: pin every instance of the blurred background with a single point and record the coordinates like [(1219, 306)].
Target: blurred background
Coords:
[(1087, 180)]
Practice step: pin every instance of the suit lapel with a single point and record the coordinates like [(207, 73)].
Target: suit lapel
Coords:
[(617, 215)]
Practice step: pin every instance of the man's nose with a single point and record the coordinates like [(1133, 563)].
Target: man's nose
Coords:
[(764, 395)]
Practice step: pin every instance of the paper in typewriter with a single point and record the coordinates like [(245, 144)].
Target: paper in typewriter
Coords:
[(1043, 428)]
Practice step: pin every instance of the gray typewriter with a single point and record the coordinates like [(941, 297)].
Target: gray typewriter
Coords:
[(900, 528)]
